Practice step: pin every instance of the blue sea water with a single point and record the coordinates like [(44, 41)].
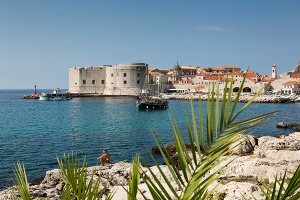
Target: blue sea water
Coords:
[(37, 132)]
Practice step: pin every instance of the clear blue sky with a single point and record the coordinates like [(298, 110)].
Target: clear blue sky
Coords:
[(40, 40)]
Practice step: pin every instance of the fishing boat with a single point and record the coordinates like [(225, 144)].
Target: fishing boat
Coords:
[(56, 95), (152, 103)]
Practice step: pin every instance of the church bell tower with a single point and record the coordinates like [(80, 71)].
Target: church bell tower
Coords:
[(274, 71)]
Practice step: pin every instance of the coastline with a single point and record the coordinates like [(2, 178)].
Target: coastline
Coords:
[(244, 98), (253, 161)]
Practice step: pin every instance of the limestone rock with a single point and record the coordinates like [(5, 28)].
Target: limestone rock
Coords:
[(285, 143), (255, 161), (170, 148), (52, 178), (245, 146), (294, 126), (239, 191)]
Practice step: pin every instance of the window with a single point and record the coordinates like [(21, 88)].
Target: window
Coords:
[(84, 82), (125, 75), (93, 82), (102, 81), (138, 74), (125, 82), (112, 75), (138, 82), (75, 83)]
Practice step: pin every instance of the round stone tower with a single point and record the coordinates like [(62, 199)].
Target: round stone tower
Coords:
[(274, 71)]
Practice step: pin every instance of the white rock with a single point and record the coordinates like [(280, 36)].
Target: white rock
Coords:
[(261, 163)]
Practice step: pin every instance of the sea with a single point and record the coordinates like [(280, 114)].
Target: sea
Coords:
[(38, 132)]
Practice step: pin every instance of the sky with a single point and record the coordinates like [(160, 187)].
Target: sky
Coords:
[(41, 40)]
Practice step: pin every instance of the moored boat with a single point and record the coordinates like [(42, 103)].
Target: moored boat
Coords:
[(56, 95), (152, 103)]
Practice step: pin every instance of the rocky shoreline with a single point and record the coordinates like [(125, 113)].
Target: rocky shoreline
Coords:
[(243, 98), (254, 161)]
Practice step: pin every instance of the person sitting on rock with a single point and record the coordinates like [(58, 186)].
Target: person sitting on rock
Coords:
[(104, 158)]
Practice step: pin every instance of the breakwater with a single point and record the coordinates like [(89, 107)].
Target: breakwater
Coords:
[(243, 98)]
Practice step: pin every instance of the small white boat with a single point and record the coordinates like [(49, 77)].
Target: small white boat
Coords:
[(56, 95)]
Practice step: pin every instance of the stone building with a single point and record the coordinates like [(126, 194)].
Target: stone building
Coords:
[(157, 81), (224, 69), (121, 79), (206, 80), (291, 87)]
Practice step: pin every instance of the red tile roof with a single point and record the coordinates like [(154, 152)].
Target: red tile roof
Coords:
[(200, 74), (295, 76), (292, 83), (154, 73), (223, 68), (199, 87), (212, 78)]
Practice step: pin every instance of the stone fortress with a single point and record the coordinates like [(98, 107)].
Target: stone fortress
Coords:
[(121, 79)]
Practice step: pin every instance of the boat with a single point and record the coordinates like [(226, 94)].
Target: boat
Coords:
[(56, 95), (152, 103)]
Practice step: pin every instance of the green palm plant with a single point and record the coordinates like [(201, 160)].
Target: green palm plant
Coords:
[(75, 176), (284, 188), (21, 181), (134, 178), (198, 168)]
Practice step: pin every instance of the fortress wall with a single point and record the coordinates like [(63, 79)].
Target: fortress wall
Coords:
[(87, 80), (122, 79)]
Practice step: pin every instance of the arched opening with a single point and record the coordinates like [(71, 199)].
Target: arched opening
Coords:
[(247, 89), (236, 89), (289, 91)]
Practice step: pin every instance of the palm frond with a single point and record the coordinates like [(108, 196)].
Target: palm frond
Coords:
[(21, 181), (134, 178), (284, 188), (198, 167), (75, 177)]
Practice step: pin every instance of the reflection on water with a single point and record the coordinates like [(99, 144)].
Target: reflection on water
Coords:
[(36, 132)]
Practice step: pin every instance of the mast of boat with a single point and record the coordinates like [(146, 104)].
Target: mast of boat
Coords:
[(158, 82)]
